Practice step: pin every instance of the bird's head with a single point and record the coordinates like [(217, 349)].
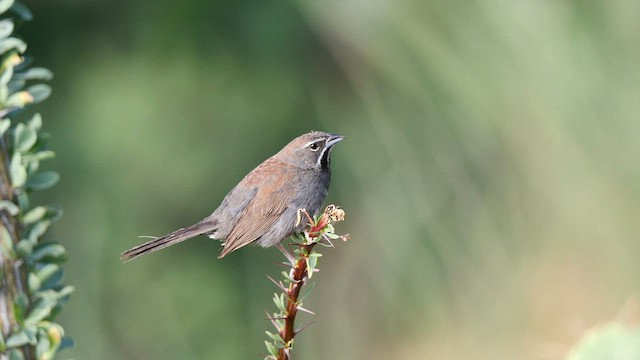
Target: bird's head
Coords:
[(310, 151)]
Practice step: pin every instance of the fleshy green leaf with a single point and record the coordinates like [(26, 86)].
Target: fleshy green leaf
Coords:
[(4, 126), (40, 311), (54, 213), (43, 347), (32, 165), (5, 5), (34, 215), (10, 207), (38, 73), (34, 282), (39, 92), (24, 138), (6, 28), (22, 11), (40, 155), (49, 251), (19, 99), (47, 272), (24, 248), (37, 231), (35, 122), (12, 43), (16, 355), (20, 305), (17, 171), (55, 295), (43, 180), (6, 243), (18, 339)]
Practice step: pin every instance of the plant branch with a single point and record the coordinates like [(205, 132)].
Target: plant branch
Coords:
[(303, 264)]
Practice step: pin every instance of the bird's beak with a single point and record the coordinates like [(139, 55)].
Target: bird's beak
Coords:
[(334, 139)]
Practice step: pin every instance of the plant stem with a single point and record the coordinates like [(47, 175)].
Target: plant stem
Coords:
[(13, 277), (299, 275)]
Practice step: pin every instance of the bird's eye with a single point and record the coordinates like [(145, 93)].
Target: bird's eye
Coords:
[(314, 146)]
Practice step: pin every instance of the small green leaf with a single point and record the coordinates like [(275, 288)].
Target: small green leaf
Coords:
[(287, 277), (5, 5), (35, 122), (37, 231), (4, 94), (54, 213), (24, 138), (53, 281), (34, 283), (275, 337), (50, 251), (38, 73), (6, 28), (39, 92), (40, 311), (43, 346), (17, 171), (55, 295), (312, 262), (22, 11), (4, 126), (10, 207), (34, 215), (307, 292), (14, 83), (271, 348), (40, 155), (19, 99), (32, 166), (16, 355), (12, 43), (18, 339), (6, 243), (279, 301), (24, 248), (45, 272), (43, 180)]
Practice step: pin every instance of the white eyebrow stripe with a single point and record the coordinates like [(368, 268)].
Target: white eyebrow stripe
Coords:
[(311, 142)]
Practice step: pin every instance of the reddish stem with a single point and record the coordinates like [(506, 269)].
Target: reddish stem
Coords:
[(299, 275)]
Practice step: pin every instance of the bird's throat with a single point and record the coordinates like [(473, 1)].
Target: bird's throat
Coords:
[(325, 159)]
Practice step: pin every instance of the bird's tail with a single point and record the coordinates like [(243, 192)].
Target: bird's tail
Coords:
[(172, 238)]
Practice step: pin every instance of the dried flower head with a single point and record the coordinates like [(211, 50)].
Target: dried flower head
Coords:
[(334, 213)]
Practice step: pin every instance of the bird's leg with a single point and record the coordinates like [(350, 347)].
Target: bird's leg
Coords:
[(287, 254)]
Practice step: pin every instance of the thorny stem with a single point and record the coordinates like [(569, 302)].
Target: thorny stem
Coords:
[(299, 275)]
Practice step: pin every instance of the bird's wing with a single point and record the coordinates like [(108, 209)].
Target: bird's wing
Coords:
[(262, 212)]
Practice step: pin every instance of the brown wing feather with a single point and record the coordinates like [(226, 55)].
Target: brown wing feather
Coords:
[(262, 212)]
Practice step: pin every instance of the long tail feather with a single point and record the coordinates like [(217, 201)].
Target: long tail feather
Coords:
[(172, 238)]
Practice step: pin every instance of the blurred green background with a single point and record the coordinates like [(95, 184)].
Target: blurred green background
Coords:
[(490, 172)]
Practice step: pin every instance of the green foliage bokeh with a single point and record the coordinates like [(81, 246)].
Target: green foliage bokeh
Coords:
[(489, 170)]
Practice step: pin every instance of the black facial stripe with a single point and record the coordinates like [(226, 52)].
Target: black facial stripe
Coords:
[(324, 158)]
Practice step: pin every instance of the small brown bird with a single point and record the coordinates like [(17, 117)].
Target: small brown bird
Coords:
[(263, 207)]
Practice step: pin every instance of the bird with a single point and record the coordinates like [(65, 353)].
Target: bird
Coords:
[(263, 207)]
